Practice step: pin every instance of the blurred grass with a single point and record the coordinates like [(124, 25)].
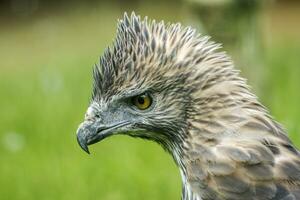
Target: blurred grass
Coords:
[(45, 83)]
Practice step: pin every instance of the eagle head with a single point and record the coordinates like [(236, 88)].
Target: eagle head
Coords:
[(170, 85), (147, 84), (144, 84)]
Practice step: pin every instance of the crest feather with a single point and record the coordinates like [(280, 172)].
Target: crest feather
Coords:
[(147, 47)]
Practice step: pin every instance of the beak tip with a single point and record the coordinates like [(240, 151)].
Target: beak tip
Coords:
[(85, 148), (83, 144)]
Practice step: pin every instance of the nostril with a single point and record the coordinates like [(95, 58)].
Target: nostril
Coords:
[(97, 115)]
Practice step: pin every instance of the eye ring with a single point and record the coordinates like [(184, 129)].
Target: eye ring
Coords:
[(142, 101)]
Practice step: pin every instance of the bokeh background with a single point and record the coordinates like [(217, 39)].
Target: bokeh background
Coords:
[(47, 50)]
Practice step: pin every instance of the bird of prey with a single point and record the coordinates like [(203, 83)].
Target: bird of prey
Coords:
[(168, 84)]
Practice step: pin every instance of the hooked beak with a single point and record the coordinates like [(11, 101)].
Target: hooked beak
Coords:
[(90, 133)]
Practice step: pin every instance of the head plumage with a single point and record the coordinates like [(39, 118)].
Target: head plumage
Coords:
[(146, 49)]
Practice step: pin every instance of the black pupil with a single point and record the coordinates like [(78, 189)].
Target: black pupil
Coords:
[(141, 100)]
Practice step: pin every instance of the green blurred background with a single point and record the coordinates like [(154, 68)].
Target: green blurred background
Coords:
[(47, 50)]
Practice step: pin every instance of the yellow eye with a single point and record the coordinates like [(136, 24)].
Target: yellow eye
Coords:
[(142, 101)]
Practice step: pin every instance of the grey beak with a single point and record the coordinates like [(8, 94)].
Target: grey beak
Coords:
[(82, 143), (84, 131), (91, 132)]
